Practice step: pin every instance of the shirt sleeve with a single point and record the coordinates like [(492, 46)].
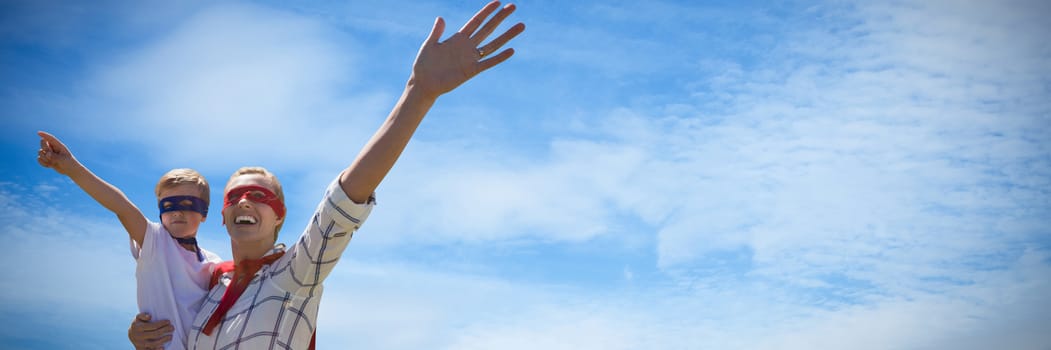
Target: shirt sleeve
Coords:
[(306, 264), (149, 239)]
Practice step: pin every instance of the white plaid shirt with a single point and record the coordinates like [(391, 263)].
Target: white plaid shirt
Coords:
[(278, 309)]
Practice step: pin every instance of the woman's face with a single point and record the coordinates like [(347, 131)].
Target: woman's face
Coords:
[(246, 212)]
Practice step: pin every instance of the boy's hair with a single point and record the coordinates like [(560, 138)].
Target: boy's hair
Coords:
[(269, 177), (176, 177)]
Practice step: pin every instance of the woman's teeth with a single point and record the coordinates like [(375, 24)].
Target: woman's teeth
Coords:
[(244, 220)]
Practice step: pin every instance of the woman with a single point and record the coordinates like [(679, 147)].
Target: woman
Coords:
[(282, 312)]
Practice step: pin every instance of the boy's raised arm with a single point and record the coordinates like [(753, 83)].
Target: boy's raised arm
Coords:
[(440, 67), (55, 155)]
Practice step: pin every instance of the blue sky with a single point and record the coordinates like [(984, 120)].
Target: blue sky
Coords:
[(640, 175)]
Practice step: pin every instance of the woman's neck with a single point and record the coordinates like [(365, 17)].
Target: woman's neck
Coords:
[(249, 250)]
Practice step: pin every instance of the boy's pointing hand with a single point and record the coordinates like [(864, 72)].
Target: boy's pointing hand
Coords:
[(54, 154)]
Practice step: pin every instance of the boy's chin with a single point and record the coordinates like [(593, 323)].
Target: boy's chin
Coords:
[(180, 231)]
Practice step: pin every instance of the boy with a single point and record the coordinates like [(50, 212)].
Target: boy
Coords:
[(172, 271)]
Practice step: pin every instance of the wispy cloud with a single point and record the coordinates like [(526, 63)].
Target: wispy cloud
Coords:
[(66, 268), (233, 72)]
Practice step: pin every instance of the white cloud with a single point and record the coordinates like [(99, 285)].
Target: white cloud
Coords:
[(445, 191), (238, 81), (552, 329), (1002, 311), (55, 250), (815, 150)]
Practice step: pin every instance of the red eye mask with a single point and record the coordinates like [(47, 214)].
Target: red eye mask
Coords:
[(257, 194)]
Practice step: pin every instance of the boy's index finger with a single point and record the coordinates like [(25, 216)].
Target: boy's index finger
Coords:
[(51, 142)]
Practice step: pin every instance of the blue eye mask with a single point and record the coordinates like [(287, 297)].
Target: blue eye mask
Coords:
[(176, 203)]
